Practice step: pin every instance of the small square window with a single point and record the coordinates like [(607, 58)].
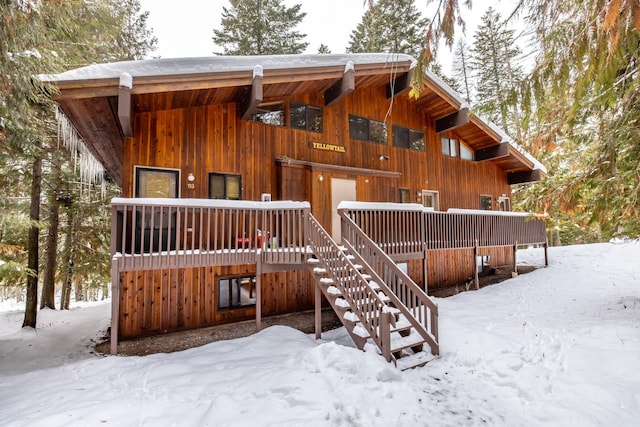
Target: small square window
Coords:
[(358, 128), (486, 202), (222, 186), (305, 117), (405, 195)]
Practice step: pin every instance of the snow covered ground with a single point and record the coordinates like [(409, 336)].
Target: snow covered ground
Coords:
[(559, 347)]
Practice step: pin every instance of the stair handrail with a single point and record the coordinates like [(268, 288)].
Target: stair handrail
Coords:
[(377, 320), (417, 307)]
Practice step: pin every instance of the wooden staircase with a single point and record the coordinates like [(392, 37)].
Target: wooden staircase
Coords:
[(404, 332)]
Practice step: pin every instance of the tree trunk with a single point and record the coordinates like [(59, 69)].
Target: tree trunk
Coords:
[(70, 243), (79, 291), (31, 307), (49, 279)]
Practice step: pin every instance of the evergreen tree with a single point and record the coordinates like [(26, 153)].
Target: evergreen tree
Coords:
[(42, 37), (394, 26), (462, 68), (493, 61), (260, 27), (324, 48)]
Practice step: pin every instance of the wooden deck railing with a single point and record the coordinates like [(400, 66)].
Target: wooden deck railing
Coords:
[(406, 231), (405, 295), (152, 234)]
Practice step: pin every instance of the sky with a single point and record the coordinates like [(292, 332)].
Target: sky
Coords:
[(559, 346), (184, 28)]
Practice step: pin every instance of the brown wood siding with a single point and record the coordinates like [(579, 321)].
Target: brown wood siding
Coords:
[(160, 301), (211, 138)]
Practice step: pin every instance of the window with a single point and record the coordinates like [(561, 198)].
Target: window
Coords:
[(408, 138), (367, 130), (154, 182), (405, 195), (271, 113), (486, 202), (504, 204), (431, 199), (236, 292), (449, 146), (466, 153), (222, 186), (306, 117), (155, 228)]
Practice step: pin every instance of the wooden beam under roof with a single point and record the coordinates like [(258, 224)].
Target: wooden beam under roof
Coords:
[(125, 113), (342, 87), (534, 175), (452, 121), (249, 105), (493, 152), (400, 84)]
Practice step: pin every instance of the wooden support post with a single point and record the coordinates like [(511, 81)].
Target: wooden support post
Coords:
[(125, 113), (115, 305), (318, 311), (424, 271), (515, 259), (475, 266), (249, 105), (546, 258), (342, 87), (259, 295)]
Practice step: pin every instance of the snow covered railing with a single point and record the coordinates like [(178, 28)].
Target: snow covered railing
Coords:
[(152, 234), (404, 294), (405, 231)]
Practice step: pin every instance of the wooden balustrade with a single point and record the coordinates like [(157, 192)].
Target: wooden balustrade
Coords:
[(406, 231), (403, 293), (152, 234), (365, 303)]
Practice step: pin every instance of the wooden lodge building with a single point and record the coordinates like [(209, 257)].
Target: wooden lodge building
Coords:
[(232, 170)]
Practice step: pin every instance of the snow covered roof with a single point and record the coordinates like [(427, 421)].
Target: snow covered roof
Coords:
[(219, 64)]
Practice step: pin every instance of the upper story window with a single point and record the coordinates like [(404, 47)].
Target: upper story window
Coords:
[(408, 138), (223, 186), (271, 113), (305, 117), (451, 147), (367, 130)]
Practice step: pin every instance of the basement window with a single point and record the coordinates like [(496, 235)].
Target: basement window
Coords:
[(405, 195), (305, 117), (236, 292)]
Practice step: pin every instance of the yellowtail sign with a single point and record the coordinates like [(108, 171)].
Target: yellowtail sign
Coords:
[(328, 147)]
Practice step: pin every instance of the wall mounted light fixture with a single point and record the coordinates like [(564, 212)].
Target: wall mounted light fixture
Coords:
[(190, 177), (383, 157), (320, 178)]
